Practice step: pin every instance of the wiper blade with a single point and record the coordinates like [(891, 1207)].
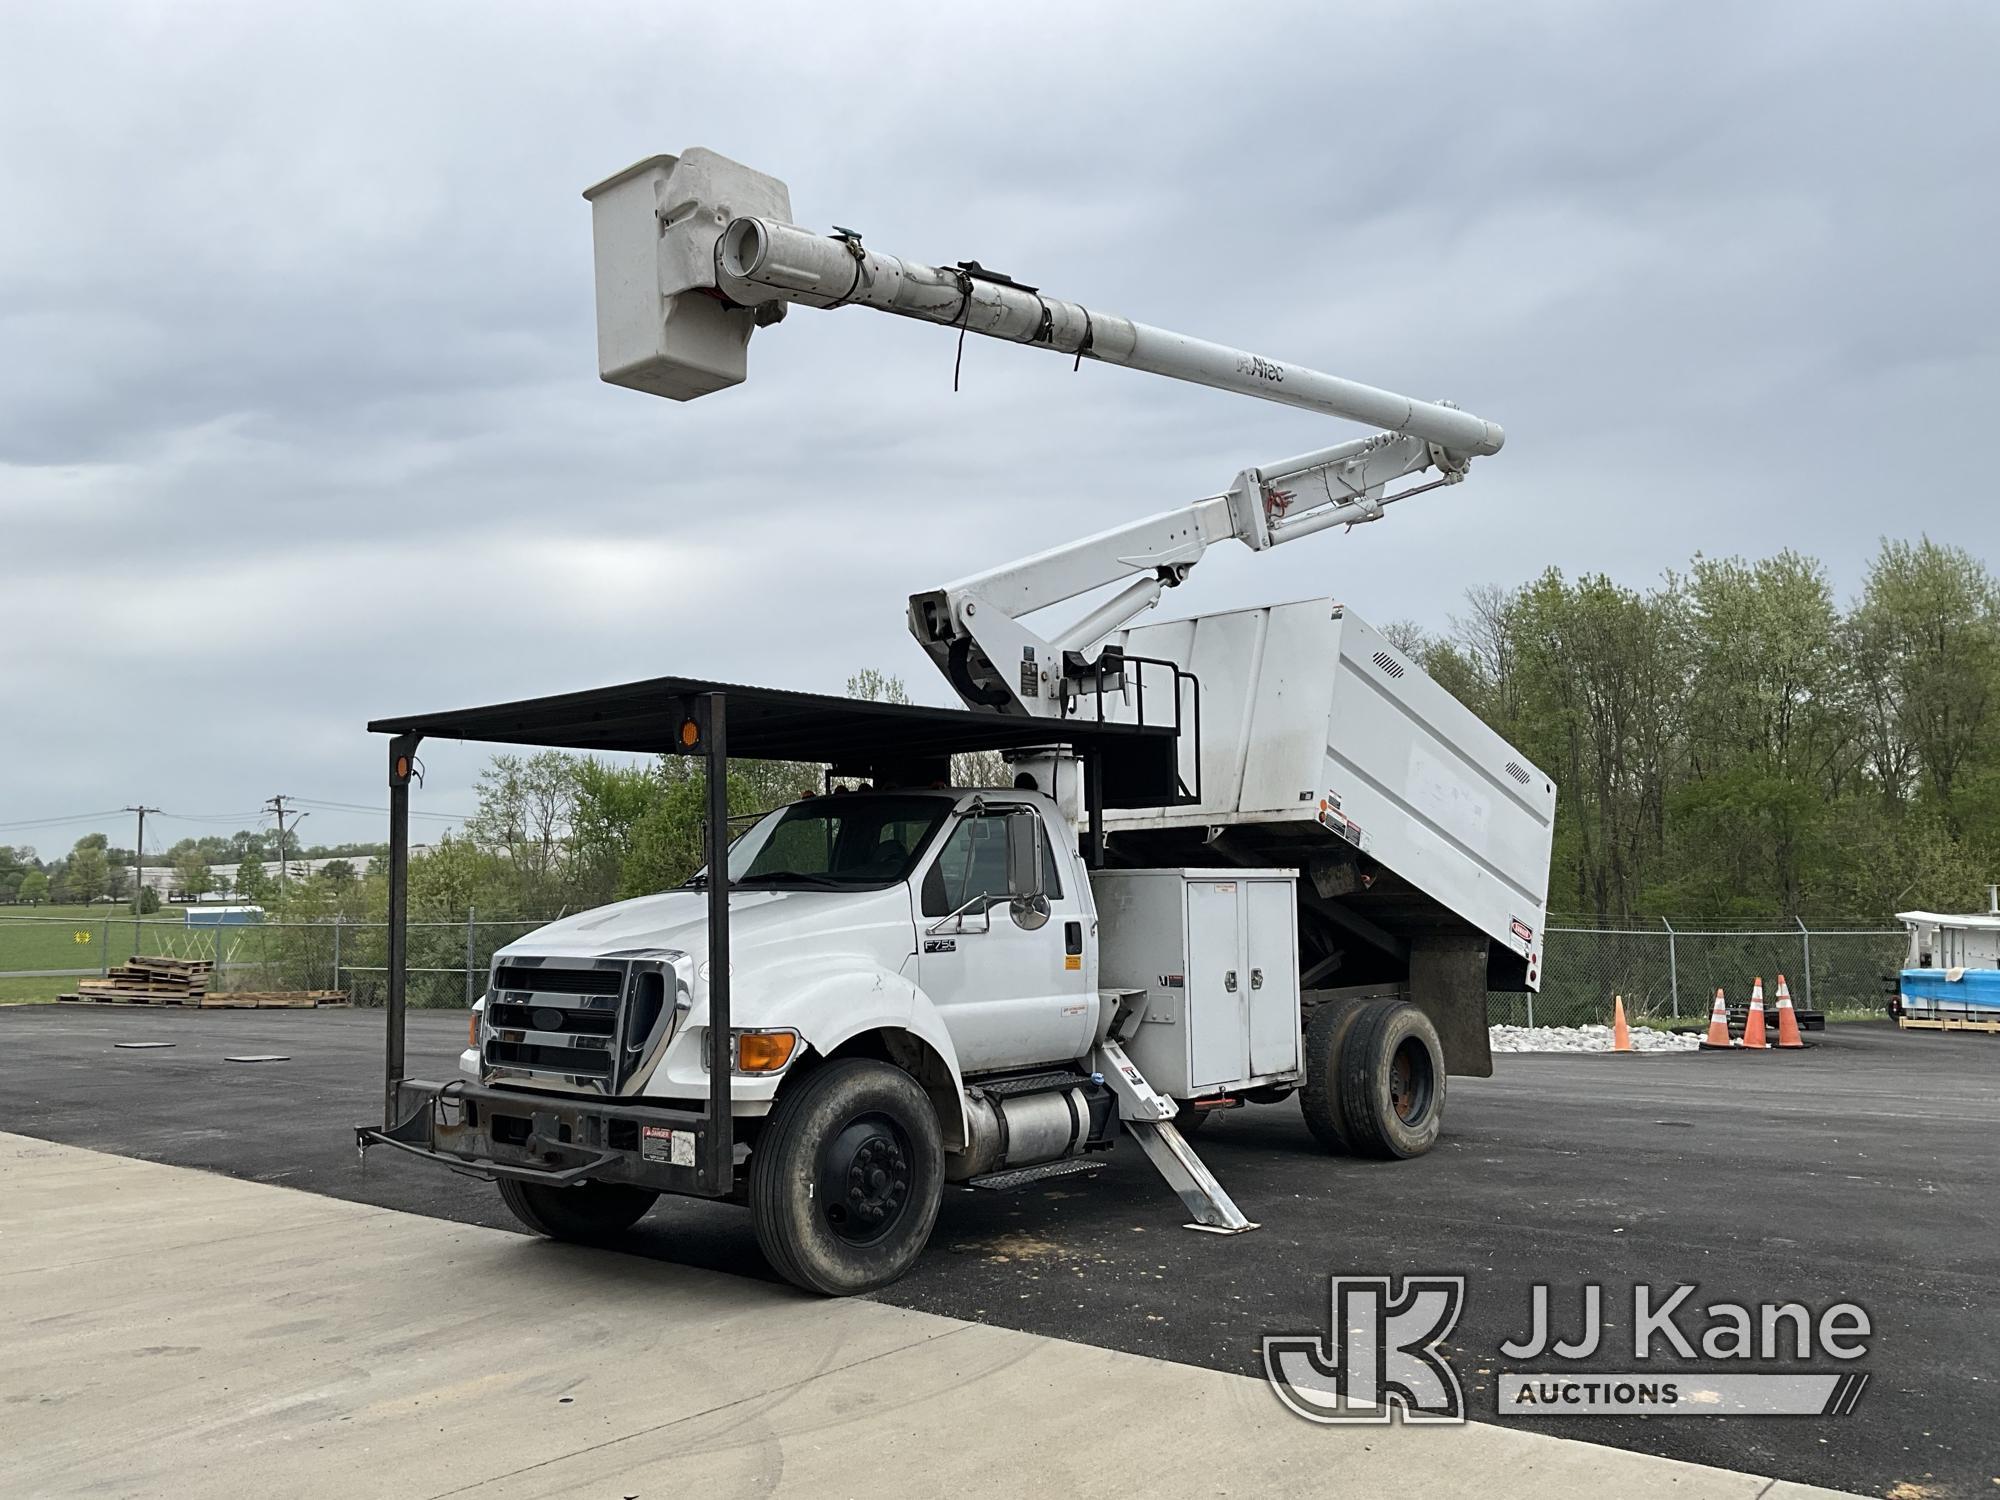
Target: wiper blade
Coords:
[(823, 882)]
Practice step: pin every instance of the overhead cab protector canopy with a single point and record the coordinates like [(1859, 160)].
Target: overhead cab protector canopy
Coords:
[(907, 744), (1127, 765)]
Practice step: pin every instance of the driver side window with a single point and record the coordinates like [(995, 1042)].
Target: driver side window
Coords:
[(973, 862)]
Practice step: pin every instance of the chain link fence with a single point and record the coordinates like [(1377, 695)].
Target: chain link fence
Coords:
[(1666, 973), (448, 960)]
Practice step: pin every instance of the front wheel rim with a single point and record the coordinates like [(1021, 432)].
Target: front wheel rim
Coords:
[(866, 1178)]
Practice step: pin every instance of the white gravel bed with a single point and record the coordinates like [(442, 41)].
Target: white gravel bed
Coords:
[(1588, 1039)]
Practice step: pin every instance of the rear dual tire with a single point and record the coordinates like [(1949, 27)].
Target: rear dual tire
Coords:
[(1375, 1079)]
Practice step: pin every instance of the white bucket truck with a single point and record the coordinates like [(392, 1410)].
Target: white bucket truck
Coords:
[(1240, 857)]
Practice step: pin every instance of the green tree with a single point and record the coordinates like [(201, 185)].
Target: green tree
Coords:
[(149, 900), (667, 842), (253, 886), (14, 865), (1586, 679), (1928, 627), (873, 685), (340, 875), (1770, 742), (974, 768), (34, 888), (526, 808), (610, 801), (191, 875), (249, 844), (88, 875)]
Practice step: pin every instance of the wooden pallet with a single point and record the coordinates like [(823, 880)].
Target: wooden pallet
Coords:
[(275, 1000), (146, 979), (119, 998), (1924, 1023), (242, 1000)]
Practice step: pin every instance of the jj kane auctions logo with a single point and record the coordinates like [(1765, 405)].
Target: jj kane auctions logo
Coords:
[(1383, 1354)]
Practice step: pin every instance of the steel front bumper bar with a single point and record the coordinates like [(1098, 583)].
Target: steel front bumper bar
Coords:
[(554, 1139)]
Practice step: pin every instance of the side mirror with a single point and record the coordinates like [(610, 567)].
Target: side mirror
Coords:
[(1027, 850)]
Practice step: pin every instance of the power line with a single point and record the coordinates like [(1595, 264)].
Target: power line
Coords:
[(61, 822), (240, 820), (356, 807)]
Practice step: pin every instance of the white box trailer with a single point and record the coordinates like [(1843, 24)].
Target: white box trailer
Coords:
[(1322, 746)]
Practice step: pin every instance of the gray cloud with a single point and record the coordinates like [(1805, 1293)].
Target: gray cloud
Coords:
[(299, 423)]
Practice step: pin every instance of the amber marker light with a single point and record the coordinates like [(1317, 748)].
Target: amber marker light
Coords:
[(764, 1051)]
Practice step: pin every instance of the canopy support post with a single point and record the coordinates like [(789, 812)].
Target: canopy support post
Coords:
[(719, 1164), (402, 765)]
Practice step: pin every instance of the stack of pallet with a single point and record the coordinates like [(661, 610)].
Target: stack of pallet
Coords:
[(275, 999), (146, 980)]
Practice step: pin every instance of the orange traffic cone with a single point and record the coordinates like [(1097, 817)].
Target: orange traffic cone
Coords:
[(1753, 1024), (1788, 1019), (1717, 1039), (1621, 1034)]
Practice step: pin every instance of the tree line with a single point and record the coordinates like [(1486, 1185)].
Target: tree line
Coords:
[(1731, 743), (95, 868), (1734, 743)]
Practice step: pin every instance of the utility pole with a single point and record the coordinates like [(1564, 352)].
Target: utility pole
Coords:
[(139, 861), (277, 805)]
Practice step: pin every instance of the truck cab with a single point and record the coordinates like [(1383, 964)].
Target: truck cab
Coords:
[(859, 916)]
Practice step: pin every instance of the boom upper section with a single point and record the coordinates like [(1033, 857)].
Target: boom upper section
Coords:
[(696, 252)]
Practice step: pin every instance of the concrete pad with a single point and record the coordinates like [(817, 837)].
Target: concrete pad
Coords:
[(164, 1331)]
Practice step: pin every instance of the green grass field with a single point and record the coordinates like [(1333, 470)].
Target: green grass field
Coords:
[(89, 939), (79, 937)]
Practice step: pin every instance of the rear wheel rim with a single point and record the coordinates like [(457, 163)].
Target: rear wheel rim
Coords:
[(865, 1179), (1412, 1081)]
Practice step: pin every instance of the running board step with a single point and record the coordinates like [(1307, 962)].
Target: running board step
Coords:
[(1032, 1083), (1020, 1177)]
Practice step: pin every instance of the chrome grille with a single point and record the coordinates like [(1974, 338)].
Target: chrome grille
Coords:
[(577, 1023)]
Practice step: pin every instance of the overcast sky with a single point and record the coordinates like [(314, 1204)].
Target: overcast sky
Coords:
[(300, 423)]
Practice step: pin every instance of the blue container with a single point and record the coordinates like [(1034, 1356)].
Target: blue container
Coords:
[(1975, 989), (223, 916)]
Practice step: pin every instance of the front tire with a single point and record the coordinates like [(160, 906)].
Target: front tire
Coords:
[(846, 1180), (588, 1214)]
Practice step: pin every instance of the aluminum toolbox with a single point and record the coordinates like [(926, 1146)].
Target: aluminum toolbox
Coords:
[(1216, 952)]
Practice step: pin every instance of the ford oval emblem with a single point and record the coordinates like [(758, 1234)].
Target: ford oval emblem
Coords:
[(548, 1018)]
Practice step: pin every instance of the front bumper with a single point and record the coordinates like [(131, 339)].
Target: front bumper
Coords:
[(557, 1140)]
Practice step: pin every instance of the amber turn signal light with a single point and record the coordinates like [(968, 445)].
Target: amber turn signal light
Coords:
[(764, 1051)]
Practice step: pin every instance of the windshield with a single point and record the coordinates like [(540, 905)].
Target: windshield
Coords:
[(837, 842)]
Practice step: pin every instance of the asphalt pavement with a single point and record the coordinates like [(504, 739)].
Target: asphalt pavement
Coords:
[(169, 1332), (1863, 1170)]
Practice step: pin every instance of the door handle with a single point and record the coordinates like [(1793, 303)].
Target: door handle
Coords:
[(1256, 979), (1229, 981)]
